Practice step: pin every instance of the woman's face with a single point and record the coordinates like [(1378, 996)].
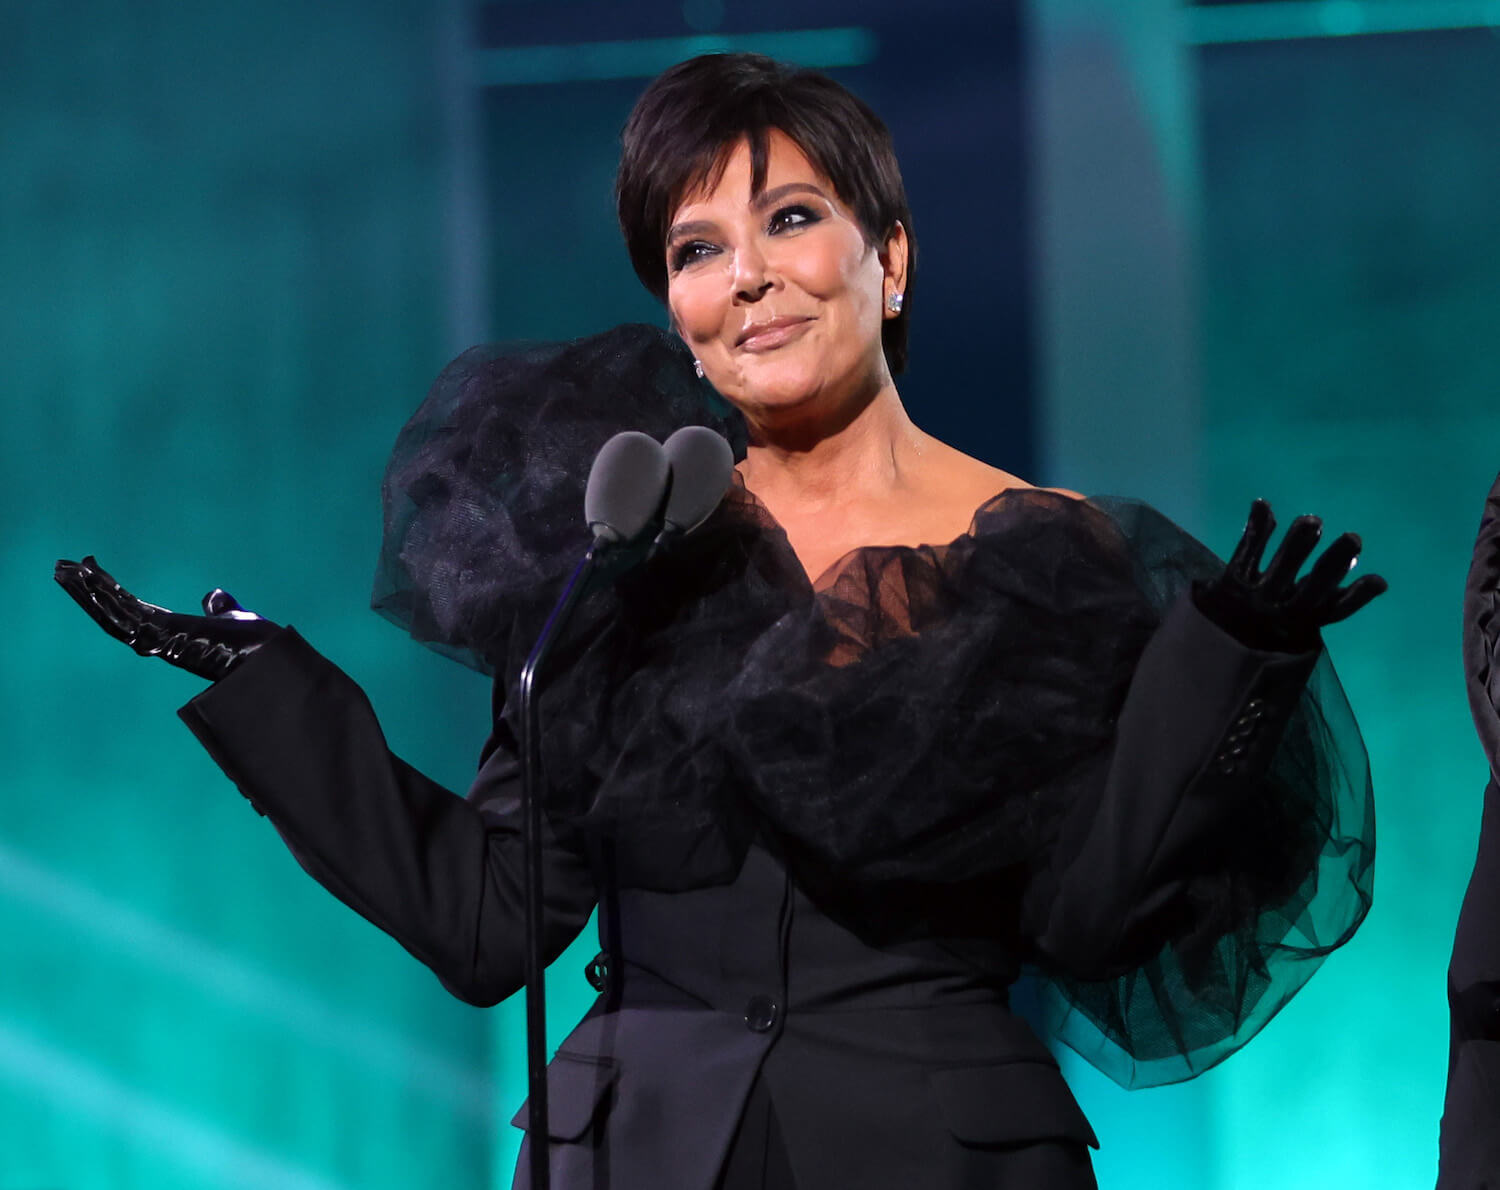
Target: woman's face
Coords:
[(777, 293)]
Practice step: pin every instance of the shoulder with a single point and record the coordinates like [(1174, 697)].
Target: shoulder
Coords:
[(972, 481)]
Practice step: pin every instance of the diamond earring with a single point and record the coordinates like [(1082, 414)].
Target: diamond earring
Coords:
[(698, 367), (893, 303)]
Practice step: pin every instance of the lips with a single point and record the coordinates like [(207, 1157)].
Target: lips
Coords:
[(773, 332)]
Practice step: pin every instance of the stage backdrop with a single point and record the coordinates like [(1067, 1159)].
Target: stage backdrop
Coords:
[(236, 242), (1336, 189)]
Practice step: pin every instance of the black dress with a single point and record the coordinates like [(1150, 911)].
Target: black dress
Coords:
[(827, 824)]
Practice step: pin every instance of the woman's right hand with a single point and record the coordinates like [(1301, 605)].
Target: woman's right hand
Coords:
[(1482, 629), (209, 645)]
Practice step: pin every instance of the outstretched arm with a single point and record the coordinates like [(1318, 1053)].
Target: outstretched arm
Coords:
[(439, 873)]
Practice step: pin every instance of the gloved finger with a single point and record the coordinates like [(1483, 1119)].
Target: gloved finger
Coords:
[(1244, 563), (87, 580), (93, 589), (122, 608), (76, 578), (106, 586), (1353, 597), (220, 602), (72, 577), (1300, 540), (1332, 566), (107, 617)]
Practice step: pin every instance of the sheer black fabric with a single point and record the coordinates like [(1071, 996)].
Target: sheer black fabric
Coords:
[(1289, 883), (483, 495), (910, 729)]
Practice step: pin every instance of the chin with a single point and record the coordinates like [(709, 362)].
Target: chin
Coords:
[(779, 397), (782, 387)]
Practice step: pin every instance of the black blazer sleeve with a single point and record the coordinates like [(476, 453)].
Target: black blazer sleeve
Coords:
[(1199, 726), (439, 873)]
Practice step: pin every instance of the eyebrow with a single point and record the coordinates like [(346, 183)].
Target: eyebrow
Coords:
[(758, 202), (766, 197)]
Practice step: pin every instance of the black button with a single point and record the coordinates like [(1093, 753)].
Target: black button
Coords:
[(761, 1014)]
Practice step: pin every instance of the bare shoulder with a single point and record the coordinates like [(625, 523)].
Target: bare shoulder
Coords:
[(972, 481)]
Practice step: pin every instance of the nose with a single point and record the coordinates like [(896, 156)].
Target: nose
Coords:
[(752, 278)]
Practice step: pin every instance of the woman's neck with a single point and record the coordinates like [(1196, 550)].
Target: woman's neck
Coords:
[(872, 455)]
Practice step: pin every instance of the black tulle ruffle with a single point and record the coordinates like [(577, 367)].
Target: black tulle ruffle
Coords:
[(483, 495), (917, 718), (1289, 882)]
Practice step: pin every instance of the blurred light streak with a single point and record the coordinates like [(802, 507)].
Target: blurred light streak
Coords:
[(1290, 20), (78, 1089), (593, 60), (465, 226), (229, 980)]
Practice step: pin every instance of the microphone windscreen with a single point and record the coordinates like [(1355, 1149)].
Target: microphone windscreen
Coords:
[(702, 466), (626, 485)]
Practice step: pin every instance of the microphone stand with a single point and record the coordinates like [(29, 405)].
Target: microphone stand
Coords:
[(531, 818), (630, 488)]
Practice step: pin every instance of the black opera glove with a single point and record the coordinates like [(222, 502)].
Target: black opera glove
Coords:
[(1272, 609), (1482, 629), (209, 645)]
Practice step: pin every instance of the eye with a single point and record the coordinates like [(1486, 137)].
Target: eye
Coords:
[(796, 215), (690, 252)]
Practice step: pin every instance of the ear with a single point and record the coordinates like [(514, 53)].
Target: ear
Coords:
[(893, 258)]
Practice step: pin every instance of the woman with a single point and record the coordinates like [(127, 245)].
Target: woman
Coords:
[(890, 726)]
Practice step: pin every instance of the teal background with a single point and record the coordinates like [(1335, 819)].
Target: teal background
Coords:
[(236, 242)]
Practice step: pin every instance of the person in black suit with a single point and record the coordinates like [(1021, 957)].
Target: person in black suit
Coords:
[(889, 728), (1469, 1146)]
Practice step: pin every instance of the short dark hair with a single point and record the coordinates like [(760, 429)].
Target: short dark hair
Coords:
[(687, 121)]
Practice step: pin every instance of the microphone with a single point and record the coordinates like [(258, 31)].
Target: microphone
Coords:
[(702, 465), (626, 491), (629, 478)]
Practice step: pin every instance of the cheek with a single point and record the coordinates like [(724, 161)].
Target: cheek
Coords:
[(696, 308), (867, 276), (850, 272)]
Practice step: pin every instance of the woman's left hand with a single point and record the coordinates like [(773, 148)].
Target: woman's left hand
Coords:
[(1273, 609)]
